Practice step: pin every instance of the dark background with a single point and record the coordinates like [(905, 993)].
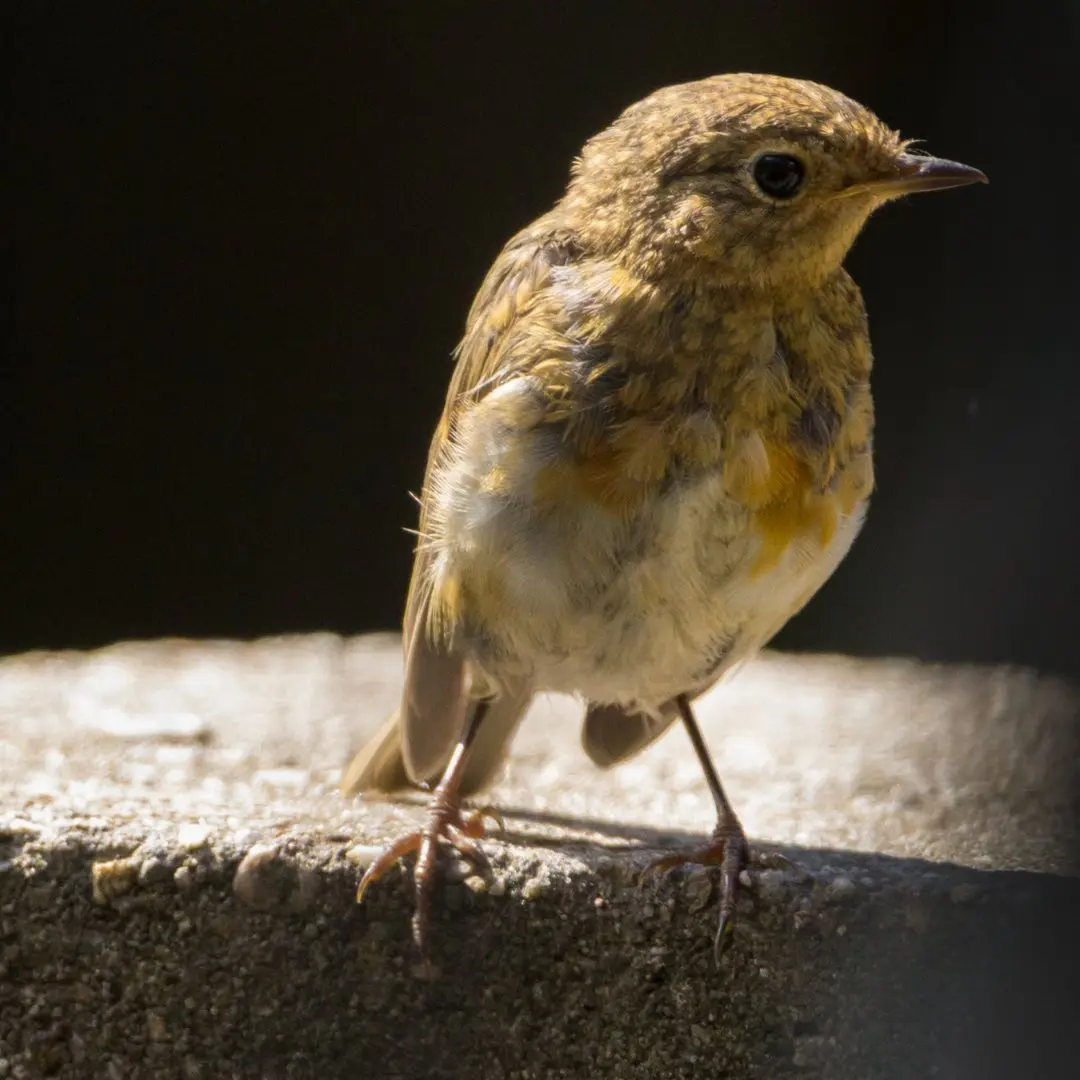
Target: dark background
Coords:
[(244, 239)]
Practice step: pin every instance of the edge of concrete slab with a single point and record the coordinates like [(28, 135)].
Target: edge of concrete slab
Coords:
[(216, 961), (178, 875)]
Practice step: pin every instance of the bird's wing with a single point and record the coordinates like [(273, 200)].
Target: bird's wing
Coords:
[(509, 292), (612, 734), (414, 744)]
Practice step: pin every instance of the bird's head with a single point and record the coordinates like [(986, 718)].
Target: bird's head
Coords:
[(755, 181)]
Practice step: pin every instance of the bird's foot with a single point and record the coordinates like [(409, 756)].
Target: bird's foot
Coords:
[(728, 849), (449, 825)]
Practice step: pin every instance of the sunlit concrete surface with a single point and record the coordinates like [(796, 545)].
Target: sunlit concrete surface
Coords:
[(177, 872)]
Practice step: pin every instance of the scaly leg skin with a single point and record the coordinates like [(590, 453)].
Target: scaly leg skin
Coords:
[(446, 823), (728, 845)]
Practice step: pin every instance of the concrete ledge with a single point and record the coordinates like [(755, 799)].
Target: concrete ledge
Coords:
[(177, 876)]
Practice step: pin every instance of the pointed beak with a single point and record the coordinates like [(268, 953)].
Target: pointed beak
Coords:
[(913, 173)]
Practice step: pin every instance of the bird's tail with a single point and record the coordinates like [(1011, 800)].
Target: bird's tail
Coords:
[(380, 765)]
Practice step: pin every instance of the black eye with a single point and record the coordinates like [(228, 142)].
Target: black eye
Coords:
[(779, 175)]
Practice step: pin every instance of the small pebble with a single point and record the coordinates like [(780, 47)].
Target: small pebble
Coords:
[(112, 879), (532, 889), (363, 855), (251, 883), (840, 888), (184, 878), (154, 870), (265, 880), (193, 834), (155, 1027)]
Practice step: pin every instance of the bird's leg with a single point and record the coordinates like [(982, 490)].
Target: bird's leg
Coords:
[(727, 846), (446, 823)]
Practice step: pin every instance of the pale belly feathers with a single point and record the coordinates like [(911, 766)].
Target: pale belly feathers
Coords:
[(629, 610)]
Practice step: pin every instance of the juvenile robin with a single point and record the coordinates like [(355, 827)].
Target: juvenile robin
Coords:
[(655, 448)]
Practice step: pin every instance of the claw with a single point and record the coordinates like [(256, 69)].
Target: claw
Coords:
[(736, 856), (727, 848), (724, 928), (397, 851), (706, 856), (469, 849), (446, 825), (472, 823)]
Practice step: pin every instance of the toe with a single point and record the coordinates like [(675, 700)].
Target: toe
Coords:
[(470, 850), (407, 845)]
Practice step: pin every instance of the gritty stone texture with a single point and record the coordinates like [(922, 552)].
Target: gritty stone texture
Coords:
[(177, 880)]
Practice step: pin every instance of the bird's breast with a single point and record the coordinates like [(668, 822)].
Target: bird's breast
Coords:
[(625, 567)]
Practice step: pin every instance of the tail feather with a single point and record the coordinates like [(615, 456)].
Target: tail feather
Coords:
[(380, 765)]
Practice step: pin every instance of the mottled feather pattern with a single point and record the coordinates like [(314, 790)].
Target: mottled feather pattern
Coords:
[(655, 448), (608, 410), (657, 438)]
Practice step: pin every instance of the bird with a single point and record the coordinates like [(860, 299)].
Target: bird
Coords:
[(655, 448)]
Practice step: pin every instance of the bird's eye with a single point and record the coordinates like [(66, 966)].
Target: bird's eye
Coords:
[(779, 175)]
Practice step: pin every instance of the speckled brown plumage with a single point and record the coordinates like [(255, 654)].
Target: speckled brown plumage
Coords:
[(656, 444)]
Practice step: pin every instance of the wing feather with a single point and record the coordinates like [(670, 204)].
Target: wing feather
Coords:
[(415, 743), (612, 734)]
